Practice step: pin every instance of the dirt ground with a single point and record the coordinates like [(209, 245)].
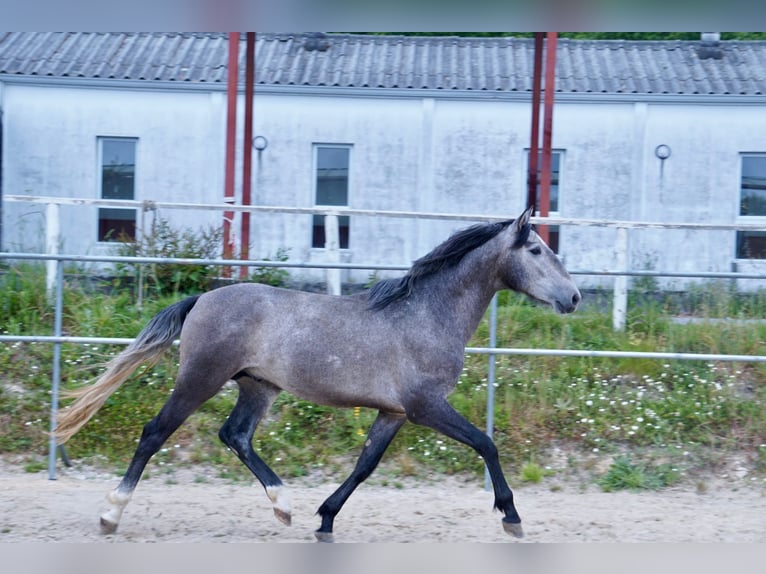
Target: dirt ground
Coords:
[(191, 505)]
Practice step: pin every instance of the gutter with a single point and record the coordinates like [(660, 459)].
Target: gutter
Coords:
[(383, 93)]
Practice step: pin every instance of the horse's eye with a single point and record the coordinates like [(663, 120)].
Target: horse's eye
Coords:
[(536, 250)]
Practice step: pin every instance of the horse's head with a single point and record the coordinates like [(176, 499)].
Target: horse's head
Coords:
[(532, 268)]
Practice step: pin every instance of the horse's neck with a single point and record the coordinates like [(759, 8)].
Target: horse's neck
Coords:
[(461, 295)]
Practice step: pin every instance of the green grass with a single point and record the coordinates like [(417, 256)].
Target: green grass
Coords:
[(596, 407), (533, 472), (625, 474)]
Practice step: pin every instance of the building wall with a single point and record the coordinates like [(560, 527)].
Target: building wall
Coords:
[(699, 182), (430, 154), (52, 151)]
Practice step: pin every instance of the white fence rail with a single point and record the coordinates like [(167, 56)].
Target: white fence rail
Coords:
[(332, 245), (54, 279)]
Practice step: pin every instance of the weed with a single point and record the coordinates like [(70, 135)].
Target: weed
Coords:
[(274, 276), (35, 466), (532, 472), (626, 474), (165, 241)]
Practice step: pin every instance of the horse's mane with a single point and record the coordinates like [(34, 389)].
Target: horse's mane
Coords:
[(446, 255)]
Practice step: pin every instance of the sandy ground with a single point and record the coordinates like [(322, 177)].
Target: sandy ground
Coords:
[(188, 506)]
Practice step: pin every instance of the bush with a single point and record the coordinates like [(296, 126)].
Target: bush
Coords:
[(166, 241), (625, 474), (274, 276), (24, 305)]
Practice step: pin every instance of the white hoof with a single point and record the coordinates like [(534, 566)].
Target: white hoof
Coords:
[(111, 518), (107, 527), (280, 500)]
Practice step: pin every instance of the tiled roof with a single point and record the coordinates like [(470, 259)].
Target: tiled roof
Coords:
[(396, 62), (135, 56)]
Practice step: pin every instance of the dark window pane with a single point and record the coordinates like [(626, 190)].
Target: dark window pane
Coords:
[(553, 238), (331, 189), (116, 224), (751, 244), (332, 176), (118, 167), (753, 195), (555, 172), (553, 230), (118, 170), (318, 236)]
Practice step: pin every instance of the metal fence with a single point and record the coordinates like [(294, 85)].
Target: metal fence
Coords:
[(56, 260)]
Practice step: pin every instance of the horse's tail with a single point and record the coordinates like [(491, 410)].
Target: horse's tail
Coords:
[(147, 348)]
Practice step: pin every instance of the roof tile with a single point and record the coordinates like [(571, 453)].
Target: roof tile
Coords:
[(396, 62)]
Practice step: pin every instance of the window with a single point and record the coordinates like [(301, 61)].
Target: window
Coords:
[(752, 206), (117, 159), (331, 189), (553, 208)]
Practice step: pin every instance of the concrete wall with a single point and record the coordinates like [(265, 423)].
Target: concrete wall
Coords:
[(51, 150), (433, 153)]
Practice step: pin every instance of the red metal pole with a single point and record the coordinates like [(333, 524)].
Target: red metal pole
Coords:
[(534, 140), (231, 136), (247, 149), (545, 172)]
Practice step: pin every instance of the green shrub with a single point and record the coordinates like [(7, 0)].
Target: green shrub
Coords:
[(24, 304), (274, 276), (624, 474), (166, 241), (532, 472)]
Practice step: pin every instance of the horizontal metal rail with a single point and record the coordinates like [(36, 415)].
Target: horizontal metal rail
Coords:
[(670, 356), (617, 354), (152, 205), (65, 339), (192, 261), (340, 265)]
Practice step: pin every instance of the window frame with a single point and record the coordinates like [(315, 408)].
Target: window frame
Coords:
[(344, 223), (749, 219), (103, 237), (553, 230)]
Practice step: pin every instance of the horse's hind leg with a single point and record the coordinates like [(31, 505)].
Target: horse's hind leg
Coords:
[(255, 398), (188, 395), (381, 434)]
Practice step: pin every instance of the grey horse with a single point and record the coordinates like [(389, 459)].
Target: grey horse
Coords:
[(398, 348)]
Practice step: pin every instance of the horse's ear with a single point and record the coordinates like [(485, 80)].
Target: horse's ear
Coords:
[(523, 220)]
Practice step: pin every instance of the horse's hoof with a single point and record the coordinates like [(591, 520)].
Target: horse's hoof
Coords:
[(283, 517), (107, 526), (324, 536), (513, 528)]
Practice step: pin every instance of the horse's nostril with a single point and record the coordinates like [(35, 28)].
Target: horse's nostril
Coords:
[(576, 299)]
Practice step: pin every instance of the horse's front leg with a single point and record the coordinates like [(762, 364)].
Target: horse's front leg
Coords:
[(441, 416)]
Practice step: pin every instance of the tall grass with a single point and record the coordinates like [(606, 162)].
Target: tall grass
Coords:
[(693, 412)]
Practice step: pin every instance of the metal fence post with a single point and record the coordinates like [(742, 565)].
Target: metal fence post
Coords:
[(491, 380), (620, 303), (332, 246), (56, 376)]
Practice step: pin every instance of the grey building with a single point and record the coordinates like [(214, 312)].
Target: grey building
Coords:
[(645, 131)]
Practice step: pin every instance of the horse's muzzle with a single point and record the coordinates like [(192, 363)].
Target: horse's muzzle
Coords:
[(568, 305)]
